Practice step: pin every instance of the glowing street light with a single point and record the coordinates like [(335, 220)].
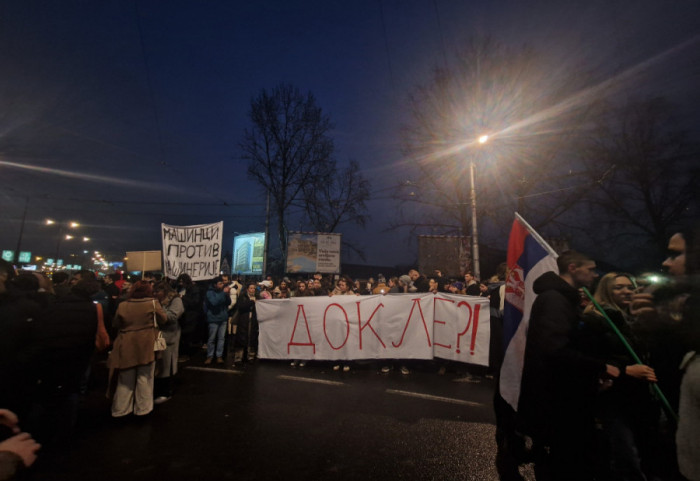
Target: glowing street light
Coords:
[(475, 231), (70, 224)]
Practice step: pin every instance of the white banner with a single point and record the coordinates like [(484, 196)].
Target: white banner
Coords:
[(193, 250), (393, 326)]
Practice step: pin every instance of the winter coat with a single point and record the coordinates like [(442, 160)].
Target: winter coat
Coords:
[(628, 395), (137, 334), (67, 340), (558, 380), (217, 305)]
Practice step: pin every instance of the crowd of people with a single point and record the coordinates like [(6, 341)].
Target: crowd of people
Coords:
[(587, 409), (610, 385)]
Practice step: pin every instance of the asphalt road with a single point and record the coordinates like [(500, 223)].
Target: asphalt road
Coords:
[(271, 421)]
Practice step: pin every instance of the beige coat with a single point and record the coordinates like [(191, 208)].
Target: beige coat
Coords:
[(134, 344)]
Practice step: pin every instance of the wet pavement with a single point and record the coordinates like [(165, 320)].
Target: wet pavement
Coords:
[(271, 421)]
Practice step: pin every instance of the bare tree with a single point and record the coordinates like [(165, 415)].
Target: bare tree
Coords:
[(290, 154), (286, 146), (337, 198), (653, 174), (526, 108)]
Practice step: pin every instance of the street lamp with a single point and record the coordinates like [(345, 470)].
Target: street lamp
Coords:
[(475, 231), (61, 236)]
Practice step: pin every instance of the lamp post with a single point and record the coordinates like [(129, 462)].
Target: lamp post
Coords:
[(61, 237), (475, 231)]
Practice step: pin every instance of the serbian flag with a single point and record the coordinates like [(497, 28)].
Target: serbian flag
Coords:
[(529, 256)]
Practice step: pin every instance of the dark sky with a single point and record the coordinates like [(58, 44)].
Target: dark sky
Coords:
[(125, 114)]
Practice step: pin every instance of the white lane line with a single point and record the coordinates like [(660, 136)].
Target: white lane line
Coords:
[(434, 398), (214, 369), (312, 380)]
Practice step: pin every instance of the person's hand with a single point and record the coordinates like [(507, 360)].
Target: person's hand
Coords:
[(642, 304), (227, 289), (612, 372), (640, 371), (23, 445), (9, 419)]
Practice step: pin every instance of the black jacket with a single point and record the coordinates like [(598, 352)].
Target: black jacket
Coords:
[(628, 396), (67, 340), (558, 380)]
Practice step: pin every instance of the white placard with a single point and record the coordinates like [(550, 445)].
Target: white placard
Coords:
[(193, 250), (393, 326)]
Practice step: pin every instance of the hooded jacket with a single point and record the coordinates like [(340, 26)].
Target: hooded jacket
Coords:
[(558, 379)]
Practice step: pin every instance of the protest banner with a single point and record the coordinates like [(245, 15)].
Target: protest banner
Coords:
[(193, 250), (142, 261), (393, 326), (309, 252)]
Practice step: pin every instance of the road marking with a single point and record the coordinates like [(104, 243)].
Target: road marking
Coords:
[(434, 398), (214, 369), (310, 379)]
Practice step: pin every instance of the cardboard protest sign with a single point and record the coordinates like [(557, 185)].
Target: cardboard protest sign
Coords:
[(394, 326), (193, 250), (143, 261)]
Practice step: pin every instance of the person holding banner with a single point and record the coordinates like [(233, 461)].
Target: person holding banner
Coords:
[(246, 342), (216, 302), (343, 288)]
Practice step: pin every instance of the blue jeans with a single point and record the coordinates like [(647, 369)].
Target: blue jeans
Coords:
[(217, 331)]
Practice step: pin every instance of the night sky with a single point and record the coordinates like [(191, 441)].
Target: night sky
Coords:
[(124, 114)]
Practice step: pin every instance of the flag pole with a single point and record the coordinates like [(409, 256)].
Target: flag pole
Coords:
[(657, 390), (534, 234)]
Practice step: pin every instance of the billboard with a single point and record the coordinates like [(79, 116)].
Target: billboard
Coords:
[(248, 253), (313, 252)]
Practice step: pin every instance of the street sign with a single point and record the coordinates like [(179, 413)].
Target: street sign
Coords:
[(8, 256), (25, 256)]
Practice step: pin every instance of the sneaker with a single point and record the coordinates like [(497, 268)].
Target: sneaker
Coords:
[(346, 368), (219, 360), (207, 362), (302, 363), (404, 370), (385, 369), (162, 399), (336, 367), (293, 364)]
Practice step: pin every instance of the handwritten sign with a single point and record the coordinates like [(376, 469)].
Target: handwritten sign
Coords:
[(394, 326), (193, 250)]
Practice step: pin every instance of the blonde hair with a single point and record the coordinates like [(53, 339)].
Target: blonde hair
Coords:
[(604, 292)]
